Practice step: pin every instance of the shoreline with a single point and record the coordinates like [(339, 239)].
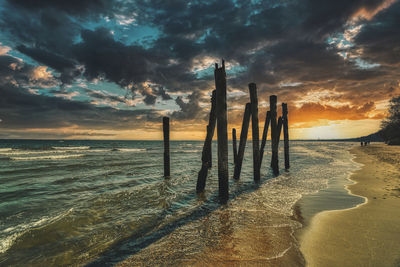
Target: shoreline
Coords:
[(336, 196), (366, 234)]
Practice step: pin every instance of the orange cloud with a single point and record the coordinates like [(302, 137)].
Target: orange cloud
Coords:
[(368, 14), (313, 112)]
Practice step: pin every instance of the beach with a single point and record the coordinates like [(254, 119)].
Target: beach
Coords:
[(368, 234)]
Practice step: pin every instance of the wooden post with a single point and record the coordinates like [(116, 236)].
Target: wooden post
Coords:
[(222, 132), (166, 146), (264, 137), (242, 143), (286, 134), (274, 132), (234, 145), (279, 127), (255, 131), (207, 148), (211, 124)]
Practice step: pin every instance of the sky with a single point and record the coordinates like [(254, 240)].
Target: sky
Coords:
[(111, 69)]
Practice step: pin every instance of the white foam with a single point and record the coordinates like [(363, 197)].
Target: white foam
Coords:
[(17, 231), (30, 152), (71, 147), (131, 149), (50, 157), (5, 149)]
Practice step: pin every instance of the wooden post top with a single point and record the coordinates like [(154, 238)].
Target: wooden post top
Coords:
[(284, 109), (165, 119), (222, 68)]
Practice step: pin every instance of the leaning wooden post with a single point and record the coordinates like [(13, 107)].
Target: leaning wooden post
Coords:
[(234, 145), (242, 142), (166, 146), (211, 124), (222, 132), (255, 131), (274, 131), (286, 134), (206, 155), (264, 137)]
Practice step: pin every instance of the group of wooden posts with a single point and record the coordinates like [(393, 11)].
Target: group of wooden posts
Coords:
[(218, 116)]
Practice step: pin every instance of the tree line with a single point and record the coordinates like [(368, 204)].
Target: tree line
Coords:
[(390, 127)]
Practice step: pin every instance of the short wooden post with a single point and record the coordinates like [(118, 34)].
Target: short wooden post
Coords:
[(166, 146), (207, 148), (222, 132), (255, 131), (242, 142), (264, 137), (234, 145), (286, 134), (274, 132)]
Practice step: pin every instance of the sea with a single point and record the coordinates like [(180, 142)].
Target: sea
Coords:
[(105, 203)]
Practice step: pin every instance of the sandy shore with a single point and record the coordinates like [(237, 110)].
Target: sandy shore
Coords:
[(369, 234)]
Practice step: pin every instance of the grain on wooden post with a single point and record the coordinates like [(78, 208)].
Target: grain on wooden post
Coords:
[(207, 148), (242, 142), (234, 145), (274, 131), (286, 134), (264, 137), (255, 131), (222, 132), (166, 146)]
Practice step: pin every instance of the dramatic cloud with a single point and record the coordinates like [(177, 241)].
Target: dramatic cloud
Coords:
[(149, 58)]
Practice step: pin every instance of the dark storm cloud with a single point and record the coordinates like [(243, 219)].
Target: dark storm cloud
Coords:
[(380, 38), (70, 6), (275, 40), (190, 109), (103, 56), (13, 71), (20, 109)]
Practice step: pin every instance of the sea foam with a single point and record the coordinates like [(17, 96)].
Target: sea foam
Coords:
[(48, 157)]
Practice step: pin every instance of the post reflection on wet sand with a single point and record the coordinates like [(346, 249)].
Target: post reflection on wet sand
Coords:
[(229, 236)]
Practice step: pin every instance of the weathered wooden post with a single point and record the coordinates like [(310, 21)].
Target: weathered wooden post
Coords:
[(255, 131), (166, 146), (222, 132), (207, 148), (279, 127), (286, 134), (211, 123), (274, 132), (242, 142), (234, 145), (264, 137)]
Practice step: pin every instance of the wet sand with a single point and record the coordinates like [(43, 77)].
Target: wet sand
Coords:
[(368, 234)]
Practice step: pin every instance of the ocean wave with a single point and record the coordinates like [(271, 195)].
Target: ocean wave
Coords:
[(16, 231), (187, 151), (50, 157), (30, 152), (5, 149), (71, 147), (131, 149)]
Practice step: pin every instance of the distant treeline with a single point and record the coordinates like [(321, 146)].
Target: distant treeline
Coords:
[(390, 127)]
